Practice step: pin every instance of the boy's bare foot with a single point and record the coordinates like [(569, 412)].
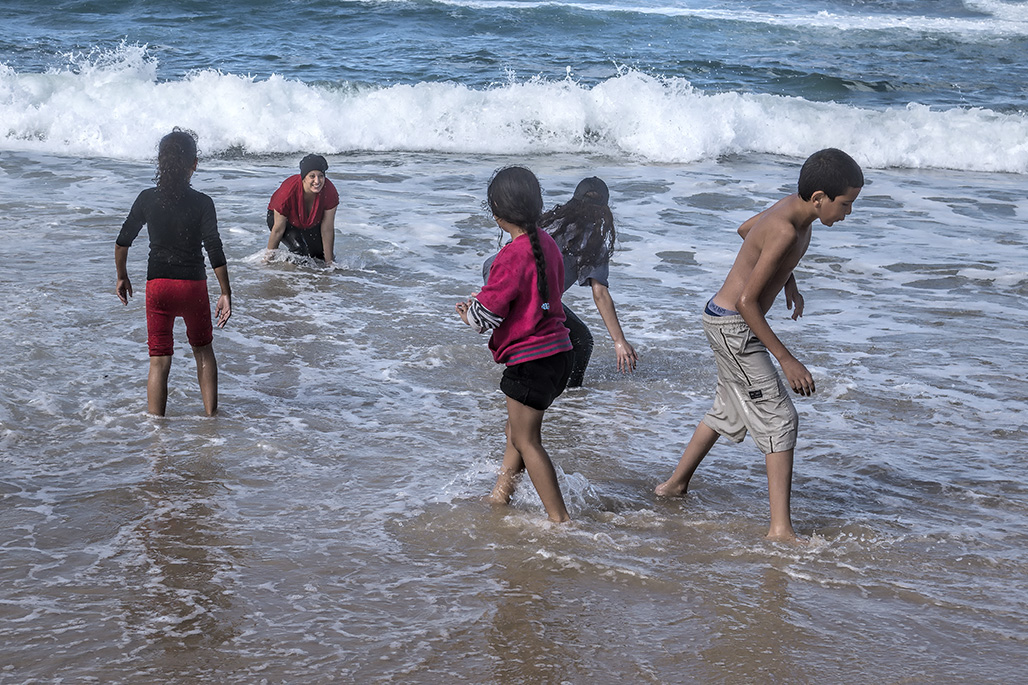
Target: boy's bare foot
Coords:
[(670, 489)]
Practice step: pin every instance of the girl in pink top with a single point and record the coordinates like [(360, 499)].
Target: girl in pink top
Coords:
[(520, 305)]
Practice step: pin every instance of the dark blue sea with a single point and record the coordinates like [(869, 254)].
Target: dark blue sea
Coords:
[(327, 527)]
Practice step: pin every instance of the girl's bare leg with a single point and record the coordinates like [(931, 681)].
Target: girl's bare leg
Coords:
[(512, 465), (207, 375), (702, 440), (157, 385), (526, 439)]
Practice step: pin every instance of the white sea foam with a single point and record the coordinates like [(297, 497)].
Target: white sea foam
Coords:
[(1006, 19), (1014, 12), (113, 105)]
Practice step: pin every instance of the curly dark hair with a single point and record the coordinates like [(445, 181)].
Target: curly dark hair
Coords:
[(176, 158)]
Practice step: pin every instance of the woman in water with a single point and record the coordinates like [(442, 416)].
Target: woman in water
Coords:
[(302, 212)]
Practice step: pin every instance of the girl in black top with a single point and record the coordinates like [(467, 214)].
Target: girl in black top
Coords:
[(179, 222)]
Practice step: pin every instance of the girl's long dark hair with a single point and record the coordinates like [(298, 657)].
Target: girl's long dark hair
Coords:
[(515, 195), (176, 155), (584, 225)]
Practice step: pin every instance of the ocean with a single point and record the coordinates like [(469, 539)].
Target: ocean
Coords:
[(327, 525)]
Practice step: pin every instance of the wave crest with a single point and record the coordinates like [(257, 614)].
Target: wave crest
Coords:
[(112, 105)]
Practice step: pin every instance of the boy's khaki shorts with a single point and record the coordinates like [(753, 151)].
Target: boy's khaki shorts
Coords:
[(751, 396)]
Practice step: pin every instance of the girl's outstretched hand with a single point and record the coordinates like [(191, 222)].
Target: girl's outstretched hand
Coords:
[(124, 289), (223, 310), (462, 310), (626, 356)]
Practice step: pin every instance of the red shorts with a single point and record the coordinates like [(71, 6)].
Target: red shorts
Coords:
[(168, 298)]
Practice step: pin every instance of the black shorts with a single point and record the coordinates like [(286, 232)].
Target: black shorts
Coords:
[(538, 382)]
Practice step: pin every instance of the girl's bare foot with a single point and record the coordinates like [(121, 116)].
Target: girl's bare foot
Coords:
[(671, 489), (787, 536)]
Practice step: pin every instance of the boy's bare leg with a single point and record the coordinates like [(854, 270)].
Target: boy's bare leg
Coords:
[(157, 385), (526, 438), (207, 375), (702, 440), (512, 465), (779, 486)]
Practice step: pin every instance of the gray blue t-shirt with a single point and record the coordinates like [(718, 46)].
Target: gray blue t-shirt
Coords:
[(599, 273)]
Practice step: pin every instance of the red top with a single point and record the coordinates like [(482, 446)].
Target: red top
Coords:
[(528, 331), (288, 201)]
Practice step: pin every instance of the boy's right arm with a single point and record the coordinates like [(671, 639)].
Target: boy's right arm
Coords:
[(744, 228), (777, 244)]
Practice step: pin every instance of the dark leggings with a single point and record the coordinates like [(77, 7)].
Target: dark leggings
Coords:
[(582, 342), (302, 241)]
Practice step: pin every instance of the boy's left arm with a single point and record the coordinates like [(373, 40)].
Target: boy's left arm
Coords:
[(792, 292), (793, 299)]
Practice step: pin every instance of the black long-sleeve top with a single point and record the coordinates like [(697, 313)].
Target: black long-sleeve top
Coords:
[(177, 232)]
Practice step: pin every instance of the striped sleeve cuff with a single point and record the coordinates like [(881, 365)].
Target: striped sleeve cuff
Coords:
[(481, 319)]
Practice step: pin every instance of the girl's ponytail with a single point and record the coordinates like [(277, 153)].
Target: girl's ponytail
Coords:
[(542, 285)]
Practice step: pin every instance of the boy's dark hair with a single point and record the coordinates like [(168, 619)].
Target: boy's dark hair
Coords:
[(515, 195), (584, 224), (176, 154), (831, 171)]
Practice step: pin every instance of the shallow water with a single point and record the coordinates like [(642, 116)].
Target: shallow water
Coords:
[(326, 527)]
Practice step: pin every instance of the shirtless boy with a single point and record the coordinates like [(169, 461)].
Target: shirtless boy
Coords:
[(750, 394)]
